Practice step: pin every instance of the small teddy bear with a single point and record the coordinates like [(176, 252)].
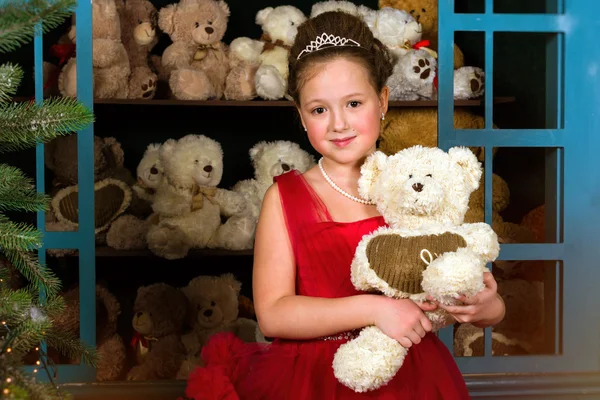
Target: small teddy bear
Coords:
[(423, 195), (197, 60), (280, 26), (188, 202), (159, 316), (214, 308), (138, 34), (128, 232), (269, 160), (109, 57)]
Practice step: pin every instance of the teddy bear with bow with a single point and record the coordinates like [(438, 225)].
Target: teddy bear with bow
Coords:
[(426, 249), (197, 61)]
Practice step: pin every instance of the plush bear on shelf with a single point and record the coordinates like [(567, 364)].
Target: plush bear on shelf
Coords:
[(110, 347), (138, 34), (159, 317), (109, 57), (269, 160), (426, 13), (214, 308), (280, 26), (128, 232), (423, 195), (112, 189), (188, 202), (197, 61)]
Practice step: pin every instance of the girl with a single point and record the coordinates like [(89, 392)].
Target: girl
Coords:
[(308, 229)]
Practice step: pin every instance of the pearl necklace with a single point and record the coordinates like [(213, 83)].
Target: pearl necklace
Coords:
[(337, 188)]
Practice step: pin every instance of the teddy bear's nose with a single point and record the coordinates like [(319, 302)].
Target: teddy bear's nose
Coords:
[(285, 167), (208, 313), (417, 187), (209, 30), (208, 168), (153, 170)]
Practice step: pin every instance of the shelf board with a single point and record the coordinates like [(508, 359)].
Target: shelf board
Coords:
[(105, 251), (271, 103)]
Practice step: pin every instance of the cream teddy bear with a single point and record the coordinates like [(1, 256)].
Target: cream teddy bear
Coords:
[(128, 232), (188, 203), (109, 57), (213, 309), (333, 5), (280, 26), (269, 160), (197, 61), (423, 194)]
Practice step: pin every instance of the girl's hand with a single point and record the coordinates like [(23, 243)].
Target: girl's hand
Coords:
[(403, 320), (484, 309)]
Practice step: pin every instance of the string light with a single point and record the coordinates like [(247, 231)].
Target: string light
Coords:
[(35, 371), (8, 350), (37, 349), (37, 362), (8, 380), (6, 391)]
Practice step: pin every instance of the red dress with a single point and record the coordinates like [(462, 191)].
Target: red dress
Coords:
[(302, 369)]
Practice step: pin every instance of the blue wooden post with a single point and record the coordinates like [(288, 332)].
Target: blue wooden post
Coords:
[(573, 141), (84, 238)]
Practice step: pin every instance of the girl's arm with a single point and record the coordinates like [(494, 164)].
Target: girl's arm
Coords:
[(283, 314)]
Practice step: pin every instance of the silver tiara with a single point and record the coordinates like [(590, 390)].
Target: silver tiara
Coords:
[(325, 41)]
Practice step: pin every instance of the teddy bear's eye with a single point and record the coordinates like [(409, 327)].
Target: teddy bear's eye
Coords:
[(424, 10), (210, 22), (410, 176), (212, 303), (196, 161), (429, 175), (293, 23), (197, 24), (412, 11)]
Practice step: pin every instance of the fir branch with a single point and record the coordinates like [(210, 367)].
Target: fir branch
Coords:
[(19, 18), (27, 335), (17, 191), (10, 78), (13, 304), (19, 236), (33, 390), (72, 347), (24, 125), (39, 276)]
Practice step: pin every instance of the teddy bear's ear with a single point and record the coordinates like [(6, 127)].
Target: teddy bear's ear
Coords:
[(224, 7), (262, 15), (166, 149), (369, 172), (152, 147), (469, 163), (232, 282), (256, 149), (113, 152), (166, 19)]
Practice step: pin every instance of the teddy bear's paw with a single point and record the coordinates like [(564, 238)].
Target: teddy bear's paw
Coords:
[(142, 83), (454, 274), (168, 241), (189, 84), (422, 68), (369, 361), (270, 85), (469, 83)]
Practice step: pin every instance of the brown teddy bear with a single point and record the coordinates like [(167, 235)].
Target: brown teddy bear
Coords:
[(109, 57), (535, 220), (159, 316), (110, 346), (214, 308), (197, 60), (138, 34), (426, 13), (521, 330)]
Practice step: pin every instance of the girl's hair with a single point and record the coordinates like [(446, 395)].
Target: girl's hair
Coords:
[(371, 54)]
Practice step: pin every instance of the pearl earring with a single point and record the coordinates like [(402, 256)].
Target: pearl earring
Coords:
[(382, 116), (304, 129)]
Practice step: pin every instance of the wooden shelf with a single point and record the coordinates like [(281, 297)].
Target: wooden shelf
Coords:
[(105, 251), (267, 103)]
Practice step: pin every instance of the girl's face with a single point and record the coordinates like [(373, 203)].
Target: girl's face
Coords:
[(341, 111)]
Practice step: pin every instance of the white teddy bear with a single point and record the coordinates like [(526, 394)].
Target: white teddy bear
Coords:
[(333, 5), (188, 203), (280, 26), (269, 159), (423, 194), (129, 232)]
